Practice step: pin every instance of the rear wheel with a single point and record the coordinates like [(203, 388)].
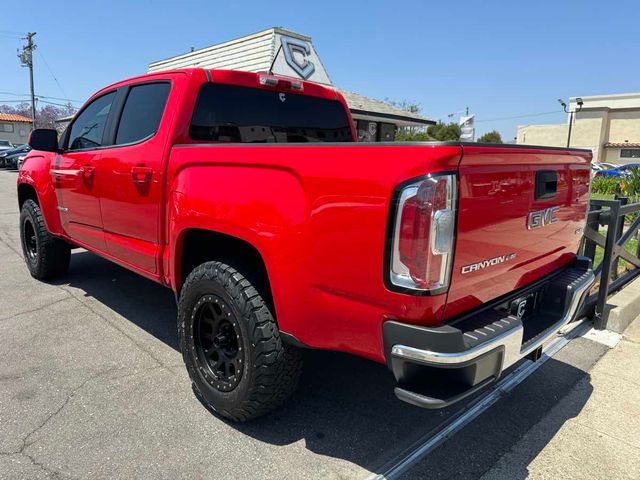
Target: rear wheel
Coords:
[(231, 344), (46, 256)]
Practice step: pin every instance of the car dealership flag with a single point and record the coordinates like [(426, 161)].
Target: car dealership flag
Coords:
[(467, 128)]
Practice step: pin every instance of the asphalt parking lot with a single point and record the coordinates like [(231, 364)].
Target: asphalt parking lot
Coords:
[(92, 386)]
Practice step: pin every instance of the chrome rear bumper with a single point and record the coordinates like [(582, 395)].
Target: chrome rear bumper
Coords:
[(475, 351)]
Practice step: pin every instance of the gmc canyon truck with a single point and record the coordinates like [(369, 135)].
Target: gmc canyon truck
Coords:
[(246, 194)]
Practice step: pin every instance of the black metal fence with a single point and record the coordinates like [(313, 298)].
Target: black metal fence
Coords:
[(621, 221)]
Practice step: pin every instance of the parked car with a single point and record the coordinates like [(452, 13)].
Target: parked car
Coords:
[(20, 160), (248, 196), (597, 167), (16, 150), (621, 171), (5, 145)]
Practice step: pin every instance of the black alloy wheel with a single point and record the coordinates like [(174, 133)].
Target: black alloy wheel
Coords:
[(217, 341), (239, 366), (30, 240), (46, 256)]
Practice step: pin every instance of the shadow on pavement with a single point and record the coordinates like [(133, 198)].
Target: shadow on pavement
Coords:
[(483, 442), (345, 407)]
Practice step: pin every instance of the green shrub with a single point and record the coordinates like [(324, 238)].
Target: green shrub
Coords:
[(604, 185), (631, 184)]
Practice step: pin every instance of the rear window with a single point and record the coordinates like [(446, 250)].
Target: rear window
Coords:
[(229, 113)]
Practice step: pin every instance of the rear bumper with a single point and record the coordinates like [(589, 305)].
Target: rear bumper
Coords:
[(435, 367)]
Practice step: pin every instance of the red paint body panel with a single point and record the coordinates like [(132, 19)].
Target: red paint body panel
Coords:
[(316, 213), (496, 193), (34, 174)]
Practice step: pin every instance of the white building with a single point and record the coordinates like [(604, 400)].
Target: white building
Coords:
[(288, 53), (607, 124)]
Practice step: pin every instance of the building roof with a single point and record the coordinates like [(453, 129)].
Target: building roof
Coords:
[(614, 101), (367, 108), (10, 117), (249, 53), (621, 145), (284, 53)]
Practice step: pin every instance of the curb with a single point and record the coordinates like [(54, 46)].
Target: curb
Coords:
[(624, 307)]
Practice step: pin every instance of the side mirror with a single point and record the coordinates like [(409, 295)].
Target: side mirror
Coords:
[(45, 139)]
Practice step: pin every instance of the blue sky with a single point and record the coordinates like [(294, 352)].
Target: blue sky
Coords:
[(500, 58)]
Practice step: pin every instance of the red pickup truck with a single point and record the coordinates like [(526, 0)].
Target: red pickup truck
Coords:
[(247, 195)]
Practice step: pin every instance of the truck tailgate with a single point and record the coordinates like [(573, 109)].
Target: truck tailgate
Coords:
[(509, 234)]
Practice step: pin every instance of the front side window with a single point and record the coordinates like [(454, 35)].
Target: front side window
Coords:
[(87, 129), (142, 112), (229, 113)]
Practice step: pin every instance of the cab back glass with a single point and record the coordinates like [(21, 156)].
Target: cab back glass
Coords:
[(229, 113)]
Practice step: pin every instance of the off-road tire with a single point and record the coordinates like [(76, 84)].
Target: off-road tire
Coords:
[(270, 369), (46, 256)]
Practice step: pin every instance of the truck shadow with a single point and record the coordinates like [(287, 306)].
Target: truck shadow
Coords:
[(345, 407)]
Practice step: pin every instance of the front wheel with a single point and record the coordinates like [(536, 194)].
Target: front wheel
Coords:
[(231, 344), (46, 256)]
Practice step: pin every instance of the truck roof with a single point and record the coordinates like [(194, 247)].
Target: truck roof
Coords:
[(230, 76)]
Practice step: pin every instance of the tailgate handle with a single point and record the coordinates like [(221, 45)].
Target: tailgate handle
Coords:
[(546, 184)]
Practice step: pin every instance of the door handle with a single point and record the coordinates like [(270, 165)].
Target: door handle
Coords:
[(87, 171), (141, 174)]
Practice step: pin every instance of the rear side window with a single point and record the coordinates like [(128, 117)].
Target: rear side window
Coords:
[(88, 127), (229, 113), (142, 112)]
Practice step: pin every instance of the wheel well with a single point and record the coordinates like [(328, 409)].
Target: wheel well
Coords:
[(26, 192), (201, 246)]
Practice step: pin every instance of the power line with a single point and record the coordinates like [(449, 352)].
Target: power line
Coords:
[(518, 116), (526, 115), (46, 64), (40, 96), (54, 103), (39, 100), (10, 34)]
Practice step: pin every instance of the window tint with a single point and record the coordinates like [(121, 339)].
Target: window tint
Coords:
[(87, 129), (228, 113), (142, 112)]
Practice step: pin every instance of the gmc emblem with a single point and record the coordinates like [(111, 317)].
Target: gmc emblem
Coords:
[(540, 218)]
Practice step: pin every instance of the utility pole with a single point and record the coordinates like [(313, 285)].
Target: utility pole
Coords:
[(26, 58)]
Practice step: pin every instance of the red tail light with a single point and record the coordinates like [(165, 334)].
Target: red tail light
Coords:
[(423, 234)]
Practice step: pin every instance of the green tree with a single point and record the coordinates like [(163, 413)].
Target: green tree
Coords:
[(490, 137), (444, 132), (405, 134), (409, 134)]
